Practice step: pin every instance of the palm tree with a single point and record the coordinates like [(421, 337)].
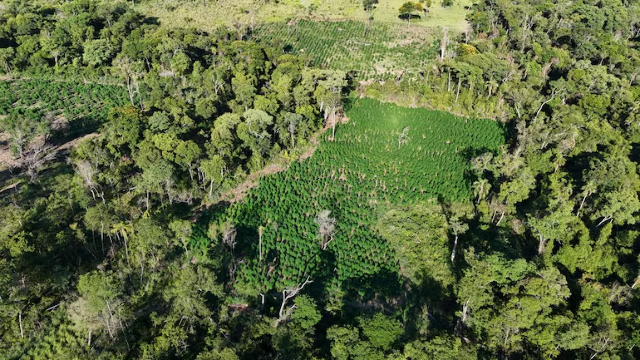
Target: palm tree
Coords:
[(123, 229)]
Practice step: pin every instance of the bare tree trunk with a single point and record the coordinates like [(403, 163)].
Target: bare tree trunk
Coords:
[(288, 294), (582, 203), (541, 245), (130, 90), (333, 131), (102, 235), (553, 95), (605, 219), (284, 303), (464, 310), (260, 242), (106, 319), (458, 92), (444, 43), (20, 321), (453, 251), (501, 216), (126, 250)]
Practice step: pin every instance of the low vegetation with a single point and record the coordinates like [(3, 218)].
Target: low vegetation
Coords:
[(385, 156), (370, 50)]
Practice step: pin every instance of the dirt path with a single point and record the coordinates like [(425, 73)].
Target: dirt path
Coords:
[(239, 192), (73, 143)]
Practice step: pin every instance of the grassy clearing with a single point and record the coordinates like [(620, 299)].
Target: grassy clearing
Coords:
[(368, 167), (208, 15), (378, 51)]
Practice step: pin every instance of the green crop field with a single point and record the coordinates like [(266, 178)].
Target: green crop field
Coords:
[(83, 106), (369, 167), (383, 51)]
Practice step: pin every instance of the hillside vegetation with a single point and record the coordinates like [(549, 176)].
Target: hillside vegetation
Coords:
[(179, 188)]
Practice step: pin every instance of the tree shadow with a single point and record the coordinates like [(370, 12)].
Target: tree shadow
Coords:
[(429, 294), (381, 291), (407, 17), (635, 153)]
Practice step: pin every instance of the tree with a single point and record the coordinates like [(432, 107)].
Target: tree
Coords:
[(213, 170), (122, 230), (368, 5), (306, 313), (38, 154), (87, 172), (288, 294), (289, 124), (403, 137), (182, 230), (419, 236), (97, 52), (100, 299), (6, 57), (22, 131), (381, 331), (481, 188), (407, 9)]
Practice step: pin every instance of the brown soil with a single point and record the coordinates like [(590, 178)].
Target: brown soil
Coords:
[(240, 191), (73, 143)]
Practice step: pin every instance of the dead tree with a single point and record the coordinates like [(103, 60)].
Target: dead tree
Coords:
[(288, 294), (87, 173), (35, 158), (229, 233), (326, 227), (444, 43), (403, 137)]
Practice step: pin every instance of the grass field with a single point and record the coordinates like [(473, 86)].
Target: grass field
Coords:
[(383, 51), (368, 167), (208, 14)]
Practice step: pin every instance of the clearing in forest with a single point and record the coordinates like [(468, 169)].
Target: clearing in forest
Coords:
[(384, 156), (71, 108), (374, 51)]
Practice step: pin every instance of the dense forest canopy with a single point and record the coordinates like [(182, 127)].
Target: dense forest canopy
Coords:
[(141, 219)]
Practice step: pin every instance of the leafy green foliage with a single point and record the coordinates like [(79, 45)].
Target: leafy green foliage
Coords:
[(380, 330), (68, 108)]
